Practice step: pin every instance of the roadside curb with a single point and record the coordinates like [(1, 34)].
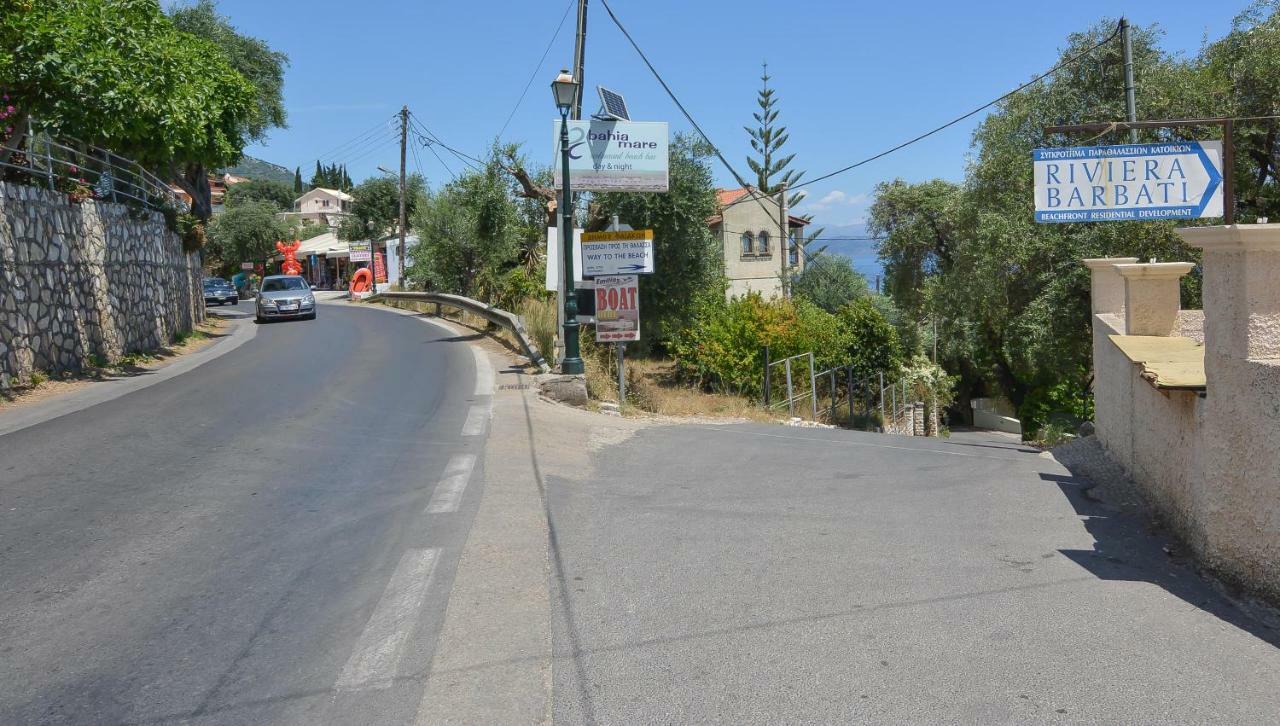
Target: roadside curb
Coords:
[(242, 331)]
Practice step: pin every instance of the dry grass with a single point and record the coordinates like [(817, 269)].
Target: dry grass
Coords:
[(653, 387)]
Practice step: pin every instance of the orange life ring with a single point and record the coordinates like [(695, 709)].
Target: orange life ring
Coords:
[(361, 281)]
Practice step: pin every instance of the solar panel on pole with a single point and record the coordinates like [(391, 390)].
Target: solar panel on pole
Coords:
[(614, 105)]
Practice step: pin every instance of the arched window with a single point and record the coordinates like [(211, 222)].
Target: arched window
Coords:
[(764, 243), (748, 244)]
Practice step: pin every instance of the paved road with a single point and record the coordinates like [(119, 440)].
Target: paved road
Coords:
[(268, 538), (760, 574)]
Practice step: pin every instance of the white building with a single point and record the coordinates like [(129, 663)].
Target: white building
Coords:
[(326, 206)]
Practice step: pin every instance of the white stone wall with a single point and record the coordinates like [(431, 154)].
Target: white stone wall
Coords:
[(1210, 465), (87, 279)]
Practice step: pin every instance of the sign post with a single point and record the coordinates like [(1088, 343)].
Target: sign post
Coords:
[(1227, 164), (624, 252), (361, 251), (1144, 182)]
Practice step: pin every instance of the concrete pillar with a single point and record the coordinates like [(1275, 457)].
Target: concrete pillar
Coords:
[(1152, 297), (1107, 290), (1241, 288)]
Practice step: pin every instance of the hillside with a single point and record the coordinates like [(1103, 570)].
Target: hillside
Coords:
[(259, 169)]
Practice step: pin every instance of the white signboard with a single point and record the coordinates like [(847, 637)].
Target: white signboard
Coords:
[(555, 268), (617, 308), (1175, 180), (615, 156), (360, 252), (617, 253)]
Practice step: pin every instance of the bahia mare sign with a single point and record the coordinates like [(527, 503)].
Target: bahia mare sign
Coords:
[(616, 156), (1176, 180)]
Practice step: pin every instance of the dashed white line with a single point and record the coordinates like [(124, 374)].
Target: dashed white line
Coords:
[(477, 418), (448, 492), (372, 664), (484, 372)]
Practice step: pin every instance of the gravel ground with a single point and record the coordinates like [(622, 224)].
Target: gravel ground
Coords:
[(1085, 458)]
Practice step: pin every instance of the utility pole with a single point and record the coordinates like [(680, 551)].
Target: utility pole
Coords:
[(404, 140), (783, 228), (1130, 101), (579, 58)]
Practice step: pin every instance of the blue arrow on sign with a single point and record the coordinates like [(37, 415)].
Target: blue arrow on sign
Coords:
[(1214, 178), (633, 268)]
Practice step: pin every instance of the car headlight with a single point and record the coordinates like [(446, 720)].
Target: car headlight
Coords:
[(309, 299), (266, 302)]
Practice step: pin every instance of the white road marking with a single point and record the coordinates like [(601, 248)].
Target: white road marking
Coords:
[(373, 660), (484, 372), (449, 491), (477, 419)]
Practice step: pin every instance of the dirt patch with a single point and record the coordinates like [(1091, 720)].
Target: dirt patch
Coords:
[(47, 387), (653, 389)]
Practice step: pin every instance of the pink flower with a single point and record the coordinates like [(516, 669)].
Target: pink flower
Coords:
[(74, 168), (10, 109)]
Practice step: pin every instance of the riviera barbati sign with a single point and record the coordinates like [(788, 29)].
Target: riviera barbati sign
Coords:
[(1179, 180), (615, 156)]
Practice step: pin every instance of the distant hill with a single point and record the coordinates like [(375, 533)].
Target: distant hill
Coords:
[(259, 169)]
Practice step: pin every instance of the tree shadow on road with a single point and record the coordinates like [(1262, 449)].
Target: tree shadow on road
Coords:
[(1129, 547)]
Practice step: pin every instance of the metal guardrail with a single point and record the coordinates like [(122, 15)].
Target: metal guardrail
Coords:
[(106, 175), (510, 321)]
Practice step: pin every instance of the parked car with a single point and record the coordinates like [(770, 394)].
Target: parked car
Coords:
[(285, 296), (218, 291)]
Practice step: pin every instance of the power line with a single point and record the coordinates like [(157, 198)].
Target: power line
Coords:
[(970, 114), (464, 157), (430, 146), (784, 243), (359, 139), (537, 67)]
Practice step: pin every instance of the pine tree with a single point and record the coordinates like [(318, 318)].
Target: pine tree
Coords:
[(297, 180), (767, 139), (317, 179)]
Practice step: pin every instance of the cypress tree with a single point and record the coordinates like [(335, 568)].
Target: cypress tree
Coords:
[(767, 139)]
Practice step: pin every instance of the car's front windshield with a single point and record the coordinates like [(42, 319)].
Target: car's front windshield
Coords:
[(284, 283)]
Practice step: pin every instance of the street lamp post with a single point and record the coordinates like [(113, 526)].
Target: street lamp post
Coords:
[(565, 90)]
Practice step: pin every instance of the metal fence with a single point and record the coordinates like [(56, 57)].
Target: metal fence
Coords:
[(838, 396), (85, 171)]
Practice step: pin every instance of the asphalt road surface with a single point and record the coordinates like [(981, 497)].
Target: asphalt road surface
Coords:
[(762, 574), (268, 538)]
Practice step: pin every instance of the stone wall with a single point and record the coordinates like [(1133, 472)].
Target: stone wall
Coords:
[(1208, 461), (87, 280)]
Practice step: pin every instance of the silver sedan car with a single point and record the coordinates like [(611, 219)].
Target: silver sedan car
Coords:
[(285, 296)]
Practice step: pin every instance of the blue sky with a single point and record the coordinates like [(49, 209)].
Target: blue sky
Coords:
[(853, 78)]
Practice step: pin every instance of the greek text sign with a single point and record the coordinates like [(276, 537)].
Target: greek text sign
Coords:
[(361, 251), (615, 156), (1177, 180), (617, 253), (617, 308)]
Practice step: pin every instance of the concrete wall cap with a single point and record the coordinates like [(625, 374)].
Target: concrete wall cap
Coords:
[(1099, 263), (1155, 270), (1235, 237)]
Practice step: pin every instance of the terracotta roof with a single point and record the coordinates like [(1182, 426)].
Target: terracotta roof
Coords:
[(727, 197)]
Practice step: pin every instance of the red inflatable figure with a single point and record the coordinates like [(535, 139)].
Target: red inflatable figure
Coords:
[(290, 266)]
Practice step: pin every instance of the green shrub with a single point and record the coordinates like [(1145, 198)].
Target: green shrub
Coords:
[(723, 348)]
